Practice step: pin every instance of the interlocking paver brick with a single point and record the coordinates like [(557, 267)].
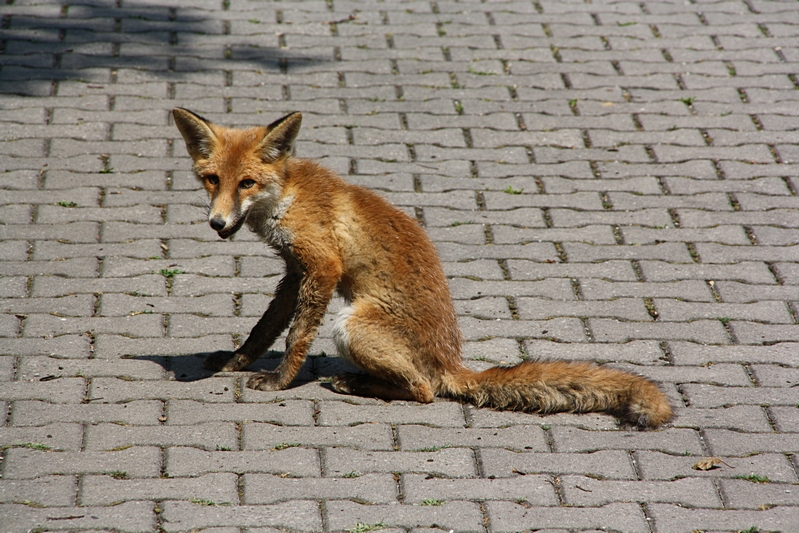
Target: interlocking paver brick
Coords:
[(302, 515), (446, 462), (416, 437), (508, 516), (702, 395), (456, 515), (135, 517), (371, 488), (208, 435), (672, 518), (534, 489), (440, 414), (218, 489), (186, 461), (586, 491), (39, 413), (49, 491)]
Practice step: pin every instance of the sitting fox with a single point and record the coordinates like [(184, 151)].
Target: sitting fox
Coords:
[(399, 325)]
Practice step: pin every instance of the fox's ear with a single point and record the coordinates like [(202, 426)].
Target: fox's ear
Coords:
[(280, 136), (196, 132)]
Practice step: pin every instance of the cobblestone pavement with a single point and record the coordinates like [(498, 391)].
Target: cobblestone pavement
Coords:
[(606, 180)]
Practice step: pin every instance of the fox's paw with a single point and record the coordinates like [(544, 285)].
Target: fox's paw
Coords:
[(226, 361), (265, 381), (344, 383)]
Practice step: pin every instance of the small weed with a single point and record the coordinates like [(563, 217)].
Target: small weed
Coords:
[(573, 103), (688, 100), (353, 474), (170, 272), (434, 503), (433, 448), (32, 446), (108, 170), (223, 448), (724, 320), (254, 21), (458, 107), (207, 503), (360, 527), (480, 72), (64, 203), (117, 474), (625, 23), (754, 478), (284, 445), (510, 190)]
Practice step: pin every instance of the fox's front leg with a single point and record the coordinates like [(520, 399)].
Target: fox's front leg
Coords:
[(276, 319), (316, 290)]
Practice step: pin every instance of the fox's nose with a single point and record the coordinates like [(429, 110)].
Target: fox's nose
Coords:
[(217, 223)]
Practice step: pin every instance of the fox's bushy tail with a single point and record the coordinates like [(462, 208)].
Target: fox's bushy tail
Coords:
[(560, 386)]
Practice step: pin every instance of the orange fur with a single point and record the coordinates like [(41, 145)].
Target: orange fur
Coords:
[(399, 325)]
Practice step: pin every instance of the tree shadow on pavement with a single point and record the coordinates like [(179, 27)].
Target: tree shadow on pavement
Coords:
[(45, 44)]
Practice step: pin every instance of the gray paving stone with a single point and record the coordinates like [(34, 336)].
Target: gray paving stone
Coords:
[(135, 517), (366, 488), (220, 489), (509, 516), (606, 464), (570, 439), (32, 368), (746, 272), (743, 494), (50, 491), (658, 465), (39, 413), (209, 435), (289, 412), (440, 414), (456, 515), (292, 461), (447, 462), (672, 518), (726, 442), (636, 351), (421, 438), (611, 330), (302, 515), (58, 436), (702, 395), (535, 490), (26, 463), (257, 436), (585, 491)]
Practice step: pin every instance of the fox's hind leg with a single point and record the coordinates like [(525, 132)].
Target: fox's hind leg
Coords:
[(363, 335)]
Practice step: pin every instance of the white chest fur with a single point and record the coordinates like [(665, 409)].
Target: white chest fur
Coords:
[(265, 218)]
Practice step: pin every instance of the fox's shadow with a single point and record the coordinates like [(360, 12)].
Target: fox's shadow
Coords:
[(190, 367)]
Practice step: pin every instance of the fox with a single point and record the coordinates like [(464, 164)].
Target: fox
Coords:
[(399, 325)]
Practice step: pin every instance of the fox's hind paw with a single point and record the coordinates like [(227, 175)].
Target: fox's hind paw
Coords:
[(227, 361), (344, 383), (265, 381)]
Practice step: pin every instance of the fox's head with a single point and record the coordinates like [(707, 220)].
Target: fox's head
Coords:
[(238, 168)]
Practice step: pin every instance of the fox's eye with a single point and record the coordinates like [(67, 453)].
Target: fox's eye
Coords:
[(246, 184), (213, 179)]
